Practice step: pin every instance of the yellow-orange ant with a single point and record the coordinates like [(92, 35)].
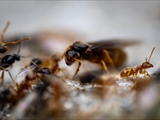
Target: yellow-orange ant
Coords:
[(140, 68)]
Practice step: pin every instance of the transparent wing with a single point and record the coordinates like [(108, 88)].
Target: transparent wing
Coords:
[(111, 44)]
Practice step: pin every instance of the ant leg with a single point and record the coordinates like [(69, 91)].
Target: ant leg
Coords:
[(22, 39), (109, 59), (2, 35), (61, 69), (143, 71), (104, 66), (134, 76), (2, 75), (134, 83), (148, 75), (38, 79), (82, 64), (10, 75), (79, 64)]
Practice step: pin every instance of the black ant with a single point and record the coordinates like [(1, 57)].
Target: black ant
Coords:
[(3, 45), (7, 61)]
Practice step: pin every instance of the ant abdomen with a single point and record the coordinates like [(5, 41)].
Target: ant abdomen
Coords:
[(3, 49), (9, 60)]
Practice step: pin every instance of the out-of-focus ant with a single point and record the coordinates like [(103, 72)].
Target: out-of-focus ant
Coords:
[(108, 53), (140, 68), (53, 63), (34, 73), (35, 65), (4, 95), (3, 45), (98, 77), (31, 72)]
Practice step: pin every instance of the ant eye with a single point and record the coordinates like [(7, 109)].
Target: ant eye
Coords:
[(72, 54), (144, 64), (80, 46)]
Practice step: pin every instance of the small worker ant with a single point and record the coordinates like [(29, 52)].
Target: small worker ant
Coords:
[(3, 45), (140, 68)]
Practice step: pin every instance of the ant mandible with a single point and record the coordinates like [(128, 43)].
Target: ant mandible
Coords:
[(3, 45), (140, 68)]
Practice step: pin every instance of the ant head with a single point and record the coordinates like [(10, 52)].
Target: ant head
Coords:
[(80, 47), (17, 57), (71, 56), (34, 64), (44, 71), (36, 61), (147, 64)]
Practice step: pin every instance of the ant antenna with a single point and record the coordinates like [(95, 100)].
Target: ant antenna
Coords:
[(21, 43), (146, 59), (151, 54), (2, 35), (35, 65), (25, 56), (15, 42), (19, 48)]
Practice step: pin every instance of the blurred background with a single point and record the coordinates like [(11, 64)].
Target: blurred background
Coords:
[(87, 21), (53, 26)]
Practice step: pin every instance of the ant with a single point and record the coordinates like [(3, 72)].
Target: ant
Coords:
[(51, 63), (28, 76), (31, 71), (140, 68), (4, 95), (108, 53), (8, 61), (3, 45), (35, 64)]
